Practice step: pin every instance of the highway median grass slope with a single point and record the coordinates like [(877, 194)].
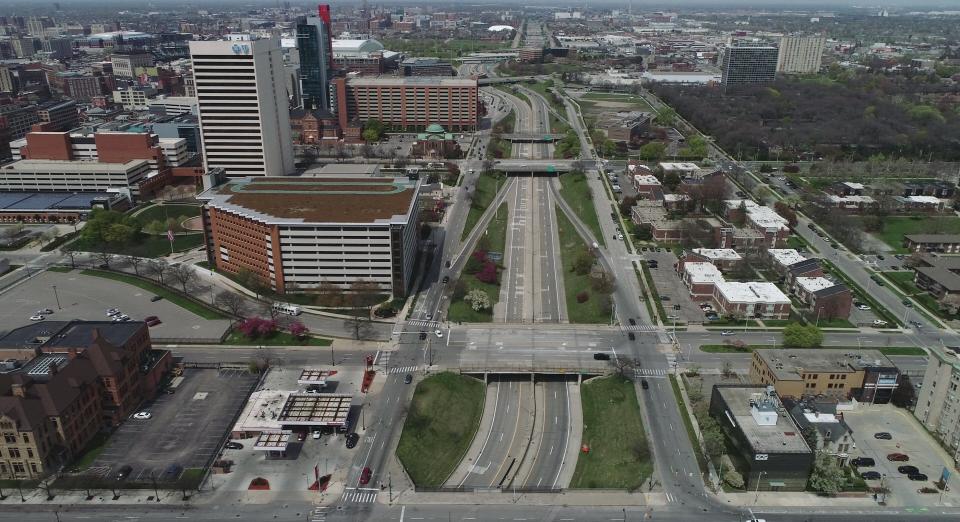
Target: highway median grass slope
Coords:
[(481, 198), (443, 419), (495, 241), (593, 310), (576, 192), (619, 456)]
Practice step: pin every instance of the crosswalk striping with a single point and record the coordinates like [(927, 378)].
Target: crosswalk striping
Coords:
[(422, 323), (650, 372), (319, 514), (360, 495), (670, 498), (403, 369), (641, 328)]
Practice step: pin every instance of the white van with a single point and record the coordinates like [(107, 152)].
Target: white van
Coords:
[(285, 308)]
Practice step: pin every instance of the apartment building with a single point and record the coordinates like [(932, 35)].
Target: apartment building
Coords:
[(774, 227), (865, 375), (61, 116), (938, 402), (244, 118), (825, 299), (134, 98), (800, 54), (62, 382), (17, 119), (409, 103), (301, 232), (745, 64)]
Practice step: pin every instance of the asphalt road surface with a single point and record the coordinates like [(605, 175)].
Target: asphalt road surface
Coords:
[(554, 422), (509, 433)]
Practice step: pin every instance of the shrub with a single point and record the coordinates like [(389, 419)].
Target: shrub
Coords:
[(733, 479), (254, 327), (583, 297), (488, 274)]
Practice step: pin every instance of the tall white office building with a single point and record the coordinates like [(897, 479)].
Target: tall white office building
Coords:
[(800, 54), (244, 114)]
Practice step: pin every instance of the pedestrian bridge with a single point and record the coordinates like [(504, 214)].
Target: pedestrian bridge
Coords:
[(531, 137)]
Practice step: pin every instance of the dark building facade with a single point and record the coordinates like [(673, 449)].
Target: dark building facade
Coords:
[(315, 45)]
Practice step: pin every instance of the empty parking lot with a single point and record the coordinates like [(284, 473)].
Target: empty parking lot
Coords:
[(186, 428)]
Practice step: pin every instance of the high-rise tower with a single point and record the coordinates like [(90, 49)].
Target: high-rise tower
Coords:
[(315, 45)]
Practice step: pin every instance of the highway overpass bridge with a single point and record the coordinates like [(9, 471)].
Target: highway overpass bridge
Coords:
[(531, 137), (534, 370), (521, 167)]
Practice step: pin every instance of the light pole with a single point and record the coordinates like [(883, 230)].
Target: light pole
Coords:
[(57, 297), (760, 478)]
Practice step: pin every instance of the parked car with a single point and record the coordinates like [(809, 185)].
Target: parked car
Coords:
[(882, 435), (352, 440), (446, 279), (898, 457), (863, 307), (172, 472), (917, 476), (44, 311), (112, 312), (365, 476), (37, 318), (155, 298), (233, 445), (870, 475), (863, 462), (601, 357), (124, 472), (142, 415), (316, 434), (664, 297), (879, 322), (908, 470)]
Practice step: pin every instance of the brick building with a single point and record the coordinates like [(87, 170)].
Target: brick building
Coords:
[(865, 375), (311, 127), (410, 103), (826, 299), (774, 227)]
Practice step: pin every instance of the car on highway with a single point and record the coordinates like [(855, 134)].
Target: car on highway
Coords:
[(37, 318), (917, 476), (870, 475), (726, 332), (407, 379), (446, 279), (352, 439), (907, 303), (664, 297), (898, 457), (863, 462), (631, 336), (438, 333), (632, 321), (917, 324), (423, 336), (365, 476), (882, 435), (233, 445), (601, 357), (142, 415), (908, 470)]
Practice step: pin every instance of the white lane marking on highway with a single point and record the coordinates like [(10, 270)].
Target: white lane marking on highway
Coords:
[(403, 511), (551, 453), (556, 419), (501, 437), (671, 427)]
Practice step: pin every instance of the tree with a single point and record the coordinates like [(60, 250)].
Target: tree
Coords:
[(135, 263), (583, 262), (372, 131), (363, 295), (603, 282), (257, 327), (644, 232), (787, 212), (71, 254), (742, 271), (714, 441), (110, 226), (329, 294), (233, 303), (826, 477), (671, 180), (478, 299), (104, 258), (252, 281), (626, 205), (158, 267), (298, 330), (904, 394), (733, 478), (184, 275), (624, 365), (796, 335), (653, 151)]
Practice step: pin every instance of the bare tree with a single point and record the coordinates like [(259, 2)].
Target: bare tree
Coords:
[(624, 365), (184, 275), (135, 262), (71, 255), (104, 258), (158, 267), (231, 302), (329, 294), (362, 297)]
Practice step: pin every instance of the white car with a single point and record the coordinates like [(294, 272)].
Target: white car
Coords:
[(44, 311), (142, 415), (879, 322), (438, 333), (620, 237), (726, 333), (112, 312), (37, 318), (863, 307), (316, 434)]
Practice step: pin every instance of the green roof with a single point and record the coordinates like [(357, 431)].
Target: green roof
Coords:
[(435, 128)]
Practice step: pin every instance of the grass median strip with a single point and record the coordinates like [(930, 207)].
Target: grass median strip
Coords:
[(688, 425), (619, 455), (277, 339), (440, 426), (494, 240), (576, 192), (196, 307), (596, 308), (482, 195)]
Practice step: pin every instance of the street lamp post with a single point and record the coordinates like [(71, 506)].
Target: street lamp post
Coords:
[(760, 478), (57, 297)]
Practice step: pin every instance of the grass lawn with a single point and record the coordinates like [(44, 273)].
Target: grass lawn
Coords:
[(858, 293), (541, 87), (91, 452), (162, 212), (447, 48), (688, 424), (570, 246), (576, 192), (619, 456), (483, 194), (440, 426), (824, 323), (886, 350), (904, 281), (178, 299), (61, 269), (496, 237), (278, 339), (144, 245), (638, 103), (895, 227)]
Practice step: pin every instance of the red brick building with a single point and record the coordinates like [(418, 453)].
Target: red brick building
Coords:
[(408, 103), (313, 127)]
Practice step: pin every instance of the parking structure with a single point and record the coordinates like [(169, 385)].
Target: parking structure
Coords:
[(186, 428), (908, 437), (73, 295)]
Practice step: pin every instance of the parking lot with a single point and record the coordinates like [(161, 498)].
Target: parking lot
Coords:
[(88, 298), (186, 427), (909, 437), (889, 262), (669, 285)]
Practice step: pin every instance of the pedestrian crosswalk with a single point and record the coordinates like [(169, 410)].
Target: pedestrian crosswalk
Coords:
[(360, 495), (671, 498), (423, 323), (640, 328), (403, 369), (319, 514), (650, 372)]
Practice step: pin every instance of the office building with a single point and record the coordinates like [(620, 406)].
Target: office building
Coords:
[(184, 126), (134, 98), (315, 48), (409, 103), (864, 375), (125, 64), (745, 64), (60, 116), (173, 105), (426, 67), (17, 119), (244, 117), (938, 403), (59, 48), (75, 85), (62, 383), (296, 233), (770, 443), (24, 47), (800, 54)]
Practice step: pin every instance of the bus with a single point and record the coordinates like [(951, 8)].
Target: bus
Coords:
[(285, 308)]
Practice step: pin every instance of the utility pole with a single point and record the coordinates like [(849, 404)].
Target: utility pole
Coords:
[(390, 486)]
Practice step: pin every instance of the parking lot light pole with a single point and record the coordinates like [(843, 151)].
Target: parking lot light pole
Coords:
[(759, 479), (57, 297)]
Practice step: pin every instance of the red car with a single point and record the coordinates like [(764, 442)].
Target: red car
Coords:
[(898, 457), (152, 320), (365, 476)]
